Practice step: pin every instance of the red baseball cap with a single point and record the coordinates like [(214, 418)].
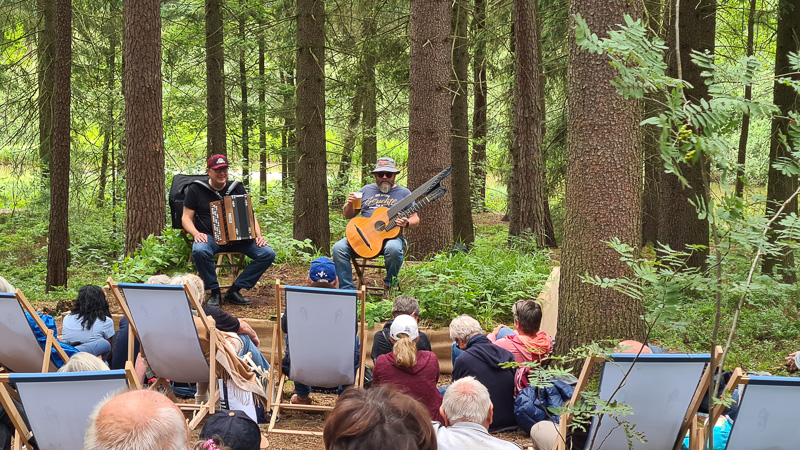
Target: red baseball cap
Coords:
[(217, 161)]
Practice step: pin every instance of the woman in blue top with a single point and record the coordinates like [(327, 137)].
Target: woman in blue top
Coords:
[(89, 326)]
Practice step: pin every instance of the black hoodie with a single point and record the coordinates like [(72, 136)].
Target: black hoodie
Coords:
[(482, 360)]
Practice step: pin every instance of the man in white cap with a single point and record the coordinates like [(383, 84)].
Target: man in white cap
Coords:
[(383, 193)]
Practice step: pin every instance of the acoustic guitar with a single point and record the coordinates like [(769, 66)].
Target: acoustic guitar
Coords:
[(366, 235)]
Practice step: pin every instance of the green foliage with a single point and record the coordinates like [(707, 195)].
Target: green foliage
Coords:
[(158, 254), (378, 311)]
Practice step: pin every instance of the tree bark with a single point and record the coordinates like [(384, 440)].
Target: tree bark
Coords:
[(215, 80), (463, 229), (311, 219), (603, 189), (262, 115), (108, 135), (748, 94), (369, 122), (480, 92), (348, 147), (58, 235), (528, 213), (245, 107), (429, 119), (45, 52), (679, 224), (145, 210), (288, 137), (779, 185)]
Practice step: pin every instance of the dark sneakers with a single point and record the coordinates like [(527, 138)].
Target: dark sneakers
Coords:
[(235, 298), (214, 300)]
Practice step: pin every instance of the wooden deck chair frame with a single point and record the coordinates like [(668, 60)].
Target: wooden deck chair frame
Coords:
[(277, 378), (689, 416), (23, 434), (199, 411), (51, 342)]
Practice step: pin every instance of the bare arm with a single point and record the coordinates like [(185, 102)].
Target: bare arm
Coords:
[(260, 241), (187, 220), (411, 221), (245, 328), (349, 211)]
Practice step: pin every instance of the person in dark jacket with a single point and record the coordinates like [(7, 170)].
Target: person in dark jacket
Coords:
[(413, 372), (403, 304), (482, 360), (532, 403)]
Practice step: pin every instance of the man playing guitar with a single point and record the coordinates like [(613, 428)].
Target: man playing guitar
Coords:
[(383, 193)]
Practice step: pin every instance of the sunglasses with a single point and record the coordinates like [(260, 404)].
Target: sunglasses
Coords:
[(384, 175), (220, 170)]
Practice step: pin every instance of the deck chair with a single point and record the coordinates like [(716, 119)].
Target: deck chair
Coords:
[(322, 342), (161, 317), (664, 391), (767, 417), (20, 351)]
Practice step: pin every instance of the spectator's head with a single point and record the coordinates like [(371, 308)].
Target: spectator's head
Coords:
[(5, 286), (380, 417), (527, 317), (631, 346), (405, 304), (322, 273), (462, 328), (83, 362), (91, 305), (235, 430), (467, 400), (195, 284), (158, 279), (136, 419), (404, 334)]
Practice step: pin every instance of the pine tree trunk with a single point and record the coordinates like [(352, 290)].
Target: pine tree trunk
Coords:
[(429, 120), (215, 80), (262, 115), (528, 213), (108, 135), (463, 229), (245, 107), (779, 185), (311, 219), (480, 93), (45, 52), (748, 94), (58, 235), (603, 189), (348, 147), (369, 122), (145, 211)]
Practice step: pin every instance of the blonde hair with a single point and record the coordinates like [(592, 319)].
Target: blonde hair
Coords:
[(405, 351), (5, 286), (83, 362), (195, 285)]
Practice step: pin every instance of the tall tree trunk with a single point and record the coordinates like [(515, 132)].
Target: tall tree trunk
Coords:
[(262, 115), (528, 213), (45, 52), (311, 219), (603, 189), (779, 185), (348, 146), (480, 92), (748, 94), (369, 123), (463, 229), (245, 107), (429, 119), (58, 235), (215, 80), (108, 135), (288, 139), (145, 211), (679, 224)]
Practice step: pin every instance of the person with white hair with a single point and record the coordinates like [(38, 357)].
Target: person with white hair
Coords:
[(484, 361), (83, 362), (467, 412), (134, 420)]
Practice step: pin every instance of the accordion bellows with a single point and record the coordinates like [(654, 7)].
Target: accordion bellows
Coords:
[(232, 219)]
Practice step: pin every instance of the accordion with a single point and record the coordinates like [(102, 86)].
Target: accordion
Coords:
[(232, 219)]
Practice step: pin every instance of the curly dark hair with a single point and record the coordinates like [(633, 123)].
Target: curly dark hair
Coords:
[(91, 305)]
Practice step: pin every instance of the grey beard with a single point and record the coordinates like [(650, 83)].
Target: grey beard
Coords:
[(385, 187)]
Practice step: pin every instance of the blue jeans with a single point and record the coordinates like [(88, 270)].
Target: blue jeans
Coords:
[(203, 257), (121, 347), (99, 347), (392, 259), (249, 346)]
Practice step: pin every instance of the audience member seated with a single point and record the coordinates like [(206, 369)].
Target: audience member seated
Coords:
[(467, 413), (120, 354), (413, 372), (89, 327), (231, 430), (526, 343), (403, 304), (84, 362), (137, 419), (321, 274), (482, 359), (378, 418)]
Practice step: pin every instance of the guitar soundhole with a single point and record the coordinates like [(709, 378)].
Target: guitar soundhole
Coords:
[(380, 225)]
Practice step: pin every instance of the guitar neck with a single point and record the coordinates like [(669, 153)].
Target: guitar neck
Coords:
[(419, 204)]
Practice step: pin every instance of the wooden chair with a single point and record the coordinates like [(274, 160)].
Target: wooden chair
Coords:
[(161, 317), (235, 260), (361, 265), (664, 391), (322, 342), (58, 405), (20, 350)]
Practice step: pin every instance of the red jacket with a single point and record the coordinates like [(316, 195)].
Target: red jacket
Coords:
[(418, 381)]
